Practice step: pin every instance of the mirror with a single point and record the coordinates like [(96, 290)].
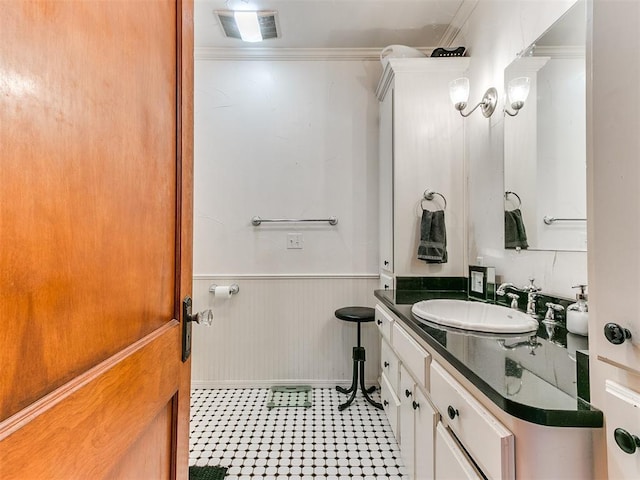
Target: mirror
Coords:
[(545, 141)]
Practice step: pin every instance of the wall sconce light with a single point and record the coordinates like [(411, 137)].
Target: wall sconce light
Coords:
[(517, 93), (459, 93)]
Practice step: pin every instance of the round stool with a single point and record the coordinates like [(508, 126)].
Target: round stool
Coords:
[(359, 315)]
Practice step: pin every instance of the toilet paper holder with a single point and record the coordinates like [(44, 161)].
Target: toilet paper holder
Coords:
[(233, 288)]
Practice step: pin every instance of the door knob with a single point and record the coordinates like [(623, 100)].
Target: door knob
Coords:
[(616, 334), (628, 443), (204, 317)]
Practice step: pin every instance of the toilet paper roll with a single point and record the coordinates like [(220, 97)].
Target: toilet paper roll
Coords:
[(222, 292)]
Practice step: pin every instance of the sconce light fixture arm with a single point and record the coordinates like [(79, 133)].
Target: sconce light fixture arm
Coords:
[(487, 104)]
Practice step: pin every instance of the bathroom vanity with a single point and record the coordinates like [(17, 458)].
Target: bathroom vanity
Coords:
[(464, 405)]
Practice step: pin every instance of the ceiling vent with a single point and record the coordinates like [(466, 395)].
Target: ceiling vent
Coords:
[(266, 20)]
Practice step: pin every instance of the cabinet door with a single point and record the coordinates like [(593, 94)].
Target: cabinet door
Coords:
[(390, 365), (386, 183), (623, 422), (425, 422), (451, 461), (390, 404), (407, 424)]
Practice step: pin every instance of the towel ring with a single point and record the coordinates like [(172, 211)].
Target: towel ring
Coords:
[(506, 197), (428, 195)]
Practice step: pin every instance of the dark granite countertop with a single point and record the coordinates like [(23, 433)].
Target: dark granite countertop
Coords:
[(531, 377)]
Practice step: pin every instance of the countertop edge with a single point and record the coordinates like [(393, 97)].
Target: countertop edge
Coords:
[(588, 418)]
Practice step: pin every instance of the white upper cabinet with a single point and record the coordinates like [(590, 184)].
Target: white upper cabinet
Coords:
[(421, 148)]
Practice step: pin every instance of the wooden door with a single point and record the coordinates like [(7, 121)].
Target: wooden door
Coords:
[(95, 237)]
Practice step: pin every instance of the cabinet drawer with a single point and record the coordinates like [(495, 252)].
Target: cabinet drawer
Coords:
[(390, 403), (623, 412), (413, 356), (384, 322), (386, 281), (390, 366), (451, 461), (483, 436)]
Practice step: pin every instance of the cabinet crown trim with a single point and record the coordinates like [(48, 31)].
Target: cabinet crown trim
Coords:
[(417, 65)]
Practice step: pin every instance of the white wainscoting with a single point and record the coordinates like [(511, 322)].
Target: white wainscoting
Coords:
[(281, 330)]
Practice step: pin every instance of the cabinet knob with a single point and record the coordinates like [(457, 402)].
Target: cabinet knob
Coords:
[(386, 364), (616, 334), (386, 287), (386, 262), (628, 443), (379, 322), (415, 405), (407, 393), (385, 403), (452, 412)]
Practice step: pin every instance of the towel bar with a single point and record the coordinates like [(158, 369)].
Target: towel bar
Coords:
[(428, 195), (255, 221), (550, 220)]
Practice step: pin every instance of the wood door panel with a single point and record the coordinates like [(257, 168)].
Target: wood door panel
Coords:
[(88, 132), (122, 402), (150, 456)]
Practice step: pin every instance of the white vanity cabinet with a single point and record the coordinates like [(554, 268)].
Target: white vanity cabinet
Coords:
[(417, 393), (418, 420), (451, 461), (614, 273), (420, 147)]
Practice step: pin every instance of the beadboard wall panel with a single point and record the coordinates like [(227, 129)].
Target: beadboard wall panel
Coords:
[(281, 330)]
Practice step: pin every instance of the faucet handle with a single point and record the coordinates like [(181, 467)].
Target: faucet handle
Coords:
[(514, 299), (552, 309), (532, 287)]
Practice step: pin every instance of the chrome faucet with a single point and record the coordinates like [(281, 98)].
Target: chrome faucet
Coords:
[(531, 290)]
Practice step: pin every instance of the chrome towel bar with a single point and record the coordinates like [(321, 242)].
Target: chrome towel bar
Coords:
[(255, 221), (550, 220)]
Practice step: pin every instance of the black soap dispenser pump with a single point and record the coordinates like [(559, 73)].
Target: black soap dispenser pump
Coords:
[(578, 313)]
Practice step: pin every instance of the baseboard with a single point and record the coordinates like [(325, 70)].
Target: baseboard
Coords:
[(214, 384)]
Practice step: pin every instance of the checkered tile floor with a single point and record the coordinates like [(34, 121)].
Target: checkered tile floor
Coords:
[(234, 429)]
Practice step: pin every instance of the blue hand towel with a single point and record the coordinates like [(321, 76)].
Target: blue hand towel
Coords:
[(433, 237)]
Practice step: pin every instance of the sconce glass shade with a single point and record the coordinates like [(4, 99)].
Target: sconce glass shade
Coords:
[(459, 92), (518, 91)]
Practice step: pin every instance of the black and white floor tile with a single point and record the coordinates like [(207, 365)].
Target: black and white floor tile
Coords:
[(235, 429)]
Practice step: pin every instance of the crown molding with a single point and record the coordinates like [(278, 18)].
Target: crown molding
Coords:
[(291, 54), (459, 19), (417, 65)]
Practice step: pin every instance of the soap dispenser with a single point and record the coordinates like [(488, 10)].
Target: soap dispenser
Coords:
[(578, 313)]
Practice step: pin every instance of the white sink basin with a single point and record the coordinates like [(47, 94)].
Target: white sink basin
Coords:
[(475, 316)]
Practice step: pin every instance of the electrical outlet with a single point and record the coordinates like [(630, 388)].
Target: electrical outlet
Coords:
[(294, 240)]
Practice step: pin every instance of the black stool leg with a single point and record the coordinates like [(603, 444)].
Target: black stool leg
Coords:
[(366, 391), (354, 386), (354, 382)]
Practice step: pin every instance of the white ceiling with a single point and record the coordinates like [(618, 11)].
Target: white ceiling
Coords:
[(334, 23)]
